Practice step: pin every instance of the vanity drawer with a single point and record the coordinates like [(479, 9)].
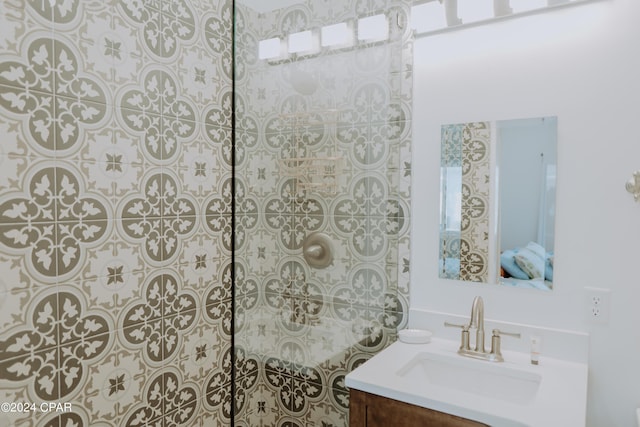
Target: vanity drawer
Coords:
[(370, 410)]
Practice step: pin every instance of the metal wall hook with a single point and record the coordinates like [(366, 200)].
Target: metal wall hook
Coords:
[(633, 186)]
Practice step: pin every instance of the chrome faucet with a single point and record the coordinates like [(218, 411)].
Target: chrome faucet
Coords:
[(477, 322)]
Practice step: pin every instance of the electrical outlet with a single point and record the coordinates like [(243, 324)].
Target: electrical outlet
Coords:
[(597, 304)]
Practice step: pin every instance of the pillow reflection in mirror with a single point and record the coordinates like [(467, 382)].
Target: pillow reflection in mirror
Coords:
[(508, 263), (531, 259)]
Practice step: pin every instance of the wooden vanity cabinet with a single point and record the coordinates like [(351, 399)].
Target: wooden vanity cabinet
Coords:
[(370, 410)]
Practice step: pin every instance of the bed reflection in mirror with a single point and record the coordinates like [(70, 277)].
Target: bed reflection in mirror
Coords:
[(497, 202)]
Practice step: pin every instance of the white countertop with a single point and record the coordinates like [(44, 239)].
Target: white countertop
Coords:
[(560, 400)]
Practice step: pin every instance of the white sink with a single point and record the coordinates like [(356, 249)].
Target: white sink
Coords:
[(473, 376), (513, 393)]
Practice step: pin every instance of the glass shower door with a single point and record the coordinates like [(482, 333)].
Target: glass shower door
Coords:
[(322, 145)]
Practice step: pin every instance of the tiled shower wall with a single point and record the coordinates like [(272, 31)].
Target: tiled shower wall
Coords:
[(300, 330), (115, 204)]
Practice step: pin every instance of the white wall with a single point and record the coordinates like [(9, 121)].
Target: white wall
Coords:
[(581, 64), (522, 179)]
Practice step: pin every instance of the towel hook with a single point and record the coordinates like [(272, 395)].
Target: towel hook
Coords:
[(633, 186)]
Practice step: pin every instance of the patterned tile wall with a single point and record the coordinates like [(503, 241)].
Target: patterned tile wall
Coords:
[(300, 330), (115, 142), (464, 251)]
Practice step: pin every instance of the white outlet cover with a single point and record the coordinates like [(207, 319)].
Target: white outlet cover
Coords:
[(597, 305)]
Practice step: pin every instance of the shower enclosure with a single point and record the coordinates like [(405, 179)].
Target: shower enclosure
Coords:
[(322, 148), (132, 207)]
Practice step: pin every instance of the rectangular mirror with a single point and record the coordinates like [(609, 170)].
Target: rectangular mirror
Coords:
[(497, 202)]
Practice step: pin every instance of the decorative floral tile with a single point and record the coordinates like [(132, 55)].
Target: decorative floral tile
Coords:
[(160, 217), (156, 110), (79, 99), (217, 387), (116, 287), (161, 30), (218, 25), (167, 397), (201, 260), (326, 414), (116, 385), (60, 339), (260, 173), (200, 77), (260, 407), (259, 252), (202, 350), (51, 193), (157, 323)]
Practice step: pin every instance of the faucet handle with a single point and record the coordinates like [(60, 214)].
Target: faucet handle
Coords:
[(465, 328), (496, 352), (464, 338), (498, 332)]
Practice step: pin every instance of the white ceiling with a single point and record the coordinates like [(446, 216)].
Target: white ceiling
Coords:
[(263, 6)]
